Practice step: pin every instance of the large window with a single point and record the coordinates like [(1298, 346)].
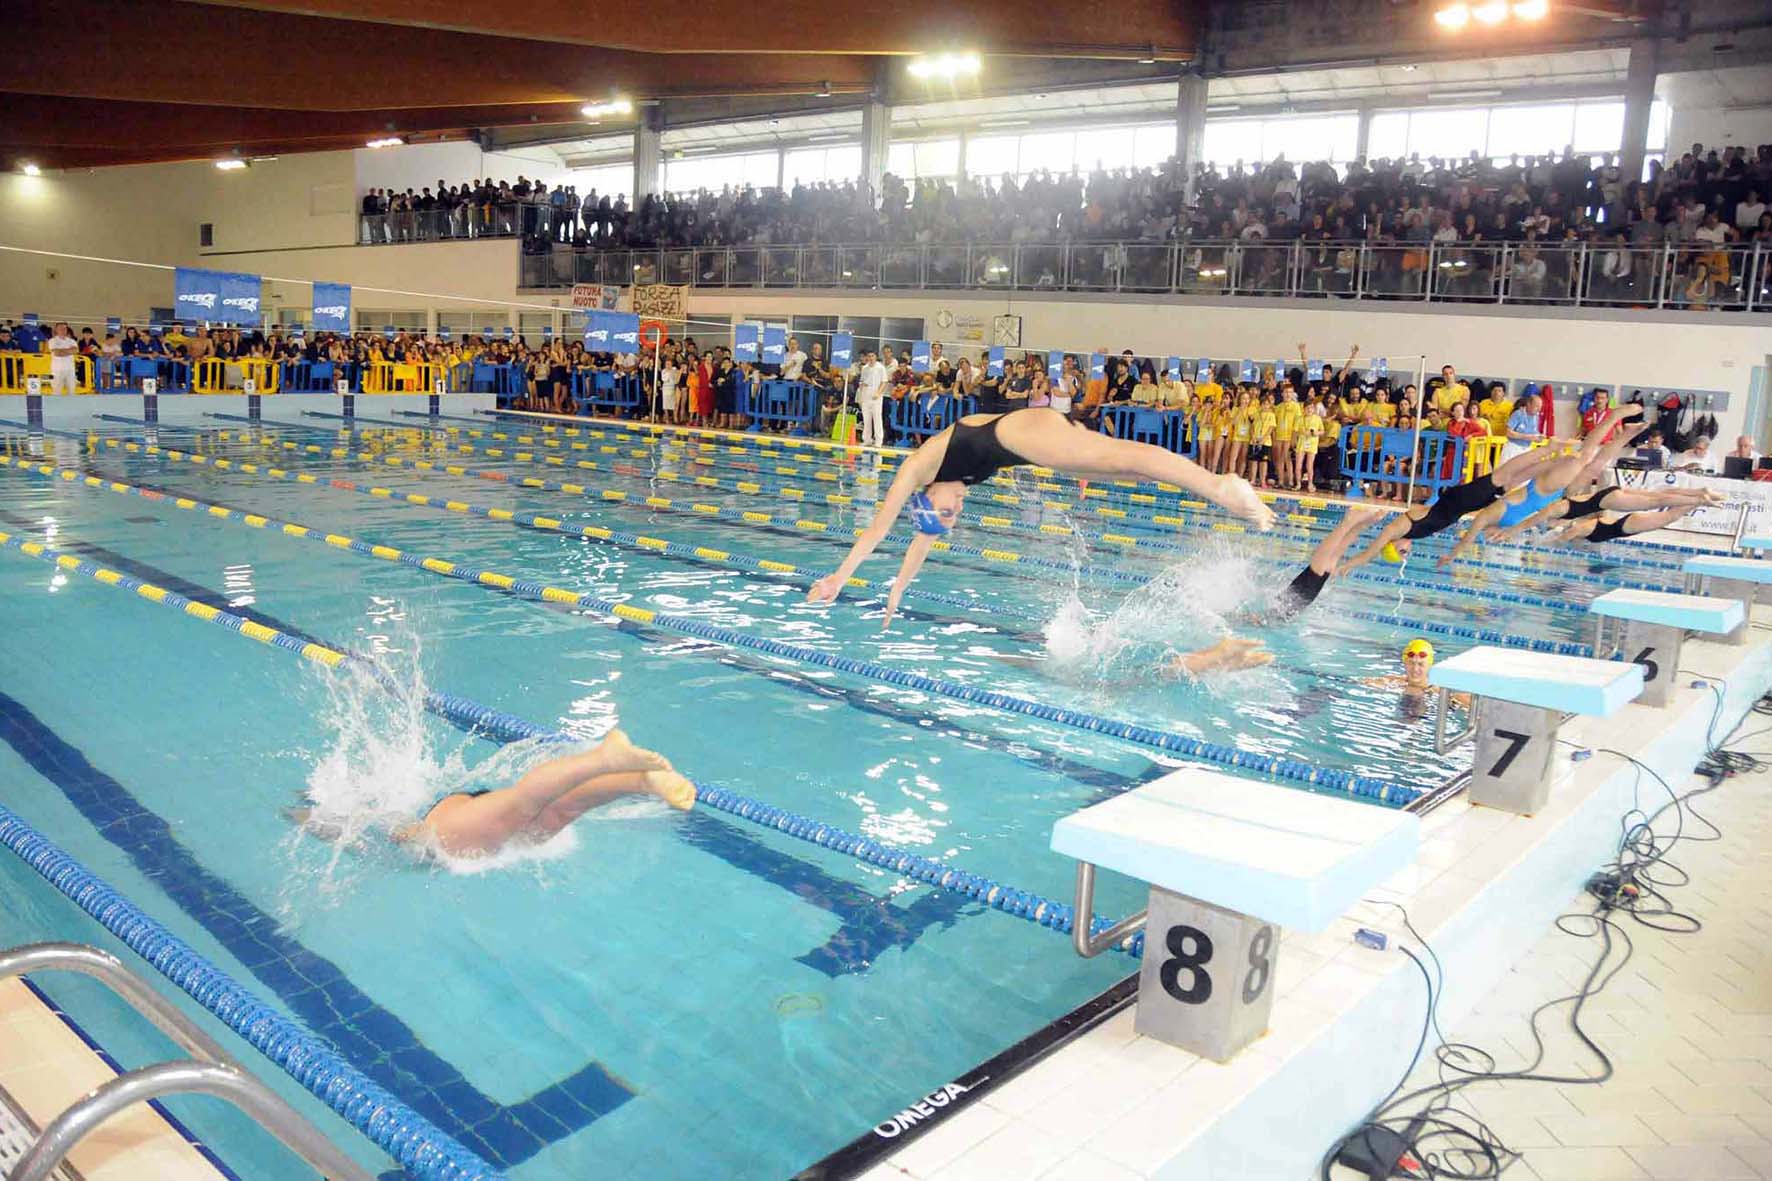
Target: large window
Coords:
[(1592, 127), (609, 180), (1297, 137), (760, 170), (1024, 153), (816, 165), (936, 158)]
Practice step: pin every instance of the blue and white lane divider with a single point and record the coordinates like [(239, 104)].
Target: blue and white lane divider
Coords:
[(475, 718), (419, 1146)]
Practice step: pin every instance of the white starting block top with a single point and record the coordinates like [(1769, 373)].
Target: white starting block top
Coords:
[(1755, 543), (1742, 569), (1278, 854), (1573, 684), (1687, 612)]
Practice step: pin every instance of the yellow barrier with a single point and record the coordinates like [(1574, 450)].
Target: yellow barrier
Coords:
[(1481, 454), (395, 377), (17, 368), (210, 375)]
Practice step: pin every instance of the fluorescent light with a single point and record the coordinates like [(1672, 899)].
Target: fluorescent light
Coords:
[(230, 165), (945, 65), (615, 106), (386, 141), (831, 135), (1004, 123), (1222, 108), (1453, 16), (1490, 12), (1492, 92), (30, 169), (1531, 10)]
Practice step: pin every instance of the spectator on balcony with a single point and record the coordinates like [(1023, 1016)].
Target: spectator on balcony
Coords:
[(1748, 212), (1526, 279)]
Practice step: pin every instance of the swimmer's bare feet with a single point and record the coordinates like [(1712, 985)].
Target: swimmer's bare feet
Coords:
[(1229, 654), (672, 788), (617, 753), (1235, 494)]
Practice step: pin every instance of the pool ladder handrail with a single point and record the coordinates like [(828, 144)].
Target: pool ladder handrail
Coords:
[(210, 1070)]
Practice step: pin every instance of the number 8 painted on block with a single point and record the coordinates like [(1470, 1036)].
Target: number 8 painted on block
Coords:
[(1261, 965), (1199, 989)]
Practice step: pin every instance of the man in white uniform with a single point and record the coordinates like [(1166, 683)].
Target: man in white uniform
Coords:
[(870, 391), (794, 363), (63, 348)]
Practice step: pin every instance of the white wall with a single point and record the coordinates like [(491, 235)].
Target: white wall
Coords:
[(418, 166), (1715, 127)]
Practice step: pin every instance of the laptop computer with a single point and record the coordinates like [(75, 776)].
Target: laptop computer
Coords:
[(1651, 456), (1737, 467)]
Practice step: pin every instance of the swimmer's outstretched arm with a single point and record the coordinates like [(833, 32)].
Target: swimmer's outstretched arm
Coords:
[(1393, 531), (918, 469), (1544, 516), (907, 572), (1480, 523), (1228, 655)]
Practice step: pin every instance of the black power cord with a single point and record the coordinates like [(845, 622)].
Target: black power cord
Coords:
[(1424, 1133)]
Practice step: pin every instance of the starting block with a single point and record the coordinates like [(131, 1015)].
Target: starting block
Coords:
[(1755, 545), (1228, 861), (1655, 626), (1743, 579), (1517, 707)]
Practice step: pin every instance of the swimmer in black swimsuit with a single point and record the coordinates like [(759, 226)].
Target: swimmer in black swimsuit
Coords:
[(1596, 530), (1548, 472), (933, 480), (544, 801)]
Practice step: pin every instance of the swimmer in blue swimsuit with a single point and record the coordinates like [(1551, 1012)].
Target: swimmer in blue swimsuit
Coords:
[(542, 803), (933, 479), (1548, 472)]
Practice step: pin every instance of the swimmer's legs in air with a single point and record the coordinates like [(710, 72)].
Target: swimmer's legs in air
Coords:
[(549, 797), (1327, 556)]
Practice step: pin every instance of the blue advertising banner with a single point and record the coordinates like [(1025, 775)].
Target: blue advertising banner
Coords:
[(113, 325), (1097, 366), (442, 333), (597, 331), (31, 319), (1313, 371), (1246, 370), (1054, 366), (547, 332), (225, 297), (775, 346), (1381, 367), (994, 361), (624, 332), (1203, 370), (1172, 368), (744, 342), (510, 332), (332, 307), (842, 350), (919, 356), (387, 330)]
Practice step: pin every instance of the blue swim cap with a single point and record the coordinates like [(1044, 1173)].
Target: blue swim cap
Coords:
[(927, 519)]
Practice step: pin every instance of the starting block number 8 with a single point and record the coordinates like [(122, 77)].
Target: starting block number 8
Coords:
[(1207, 979)]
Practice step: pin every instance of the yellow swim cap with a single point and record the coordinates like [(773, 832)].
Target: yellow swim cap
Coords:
[(1391, 553), (1421, 646)]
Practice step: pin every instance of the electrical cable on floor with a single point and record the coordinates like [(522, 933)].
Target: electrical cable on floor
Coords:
[(1422, 1133)]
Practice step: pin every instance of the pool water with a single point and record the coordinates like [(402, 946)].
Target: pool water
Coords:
[(652, 994)]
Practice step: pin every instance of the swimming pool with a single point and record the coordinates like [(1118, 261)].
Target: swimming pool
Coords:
[(659, 994)]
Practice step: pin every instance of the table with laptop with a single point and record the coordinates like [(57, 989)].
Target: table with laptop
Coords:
[(1745, 482)]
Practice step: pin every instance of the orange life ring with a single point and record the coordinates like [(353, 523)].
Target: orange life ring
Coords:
[(652, 333)]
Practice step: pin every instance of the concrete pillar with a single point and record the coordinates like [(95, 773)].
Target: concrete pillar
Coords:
[(1639, 93), (1363, 138), (876, 133), (1190, 126), (648, 155)]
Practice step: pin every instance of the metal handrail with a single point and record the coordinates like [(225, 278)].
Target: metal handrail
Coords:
[(1083, 906), (210, 1071)]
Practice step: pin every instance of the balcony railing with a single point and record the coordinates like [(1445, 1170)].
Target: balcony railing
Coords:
[(1662, 275)]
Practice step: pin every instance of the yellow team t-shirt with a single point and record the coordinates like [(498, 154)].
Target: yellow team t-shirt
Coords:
[(1262, 425), (1495, 412), (1287, 416), (1310, 430), (1208, 391), (1448, 396), (1241, 417), (1206, 422), (1383, 413)]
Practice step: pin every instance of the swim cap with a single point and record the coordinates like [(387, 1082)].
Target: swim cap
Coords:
[(1421, 646), (927, 519), (1391, 553)]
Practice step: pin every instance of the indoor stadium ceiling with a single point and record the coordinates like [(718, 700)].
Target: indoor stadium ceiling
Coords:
[(152, 80)]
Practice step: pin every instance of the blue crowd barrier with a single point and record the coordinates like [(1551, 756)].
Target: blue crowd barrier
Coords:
[(124, 375), (316, 377), (781, 403), (920, 417), (1141, 424), (1383, 455), (503, 381), (618, 393)]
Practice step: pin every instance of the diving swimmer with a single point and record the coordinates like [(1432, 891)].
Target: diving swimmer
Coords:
[(933, 480), (1597, 530), (1612, 500), (1528, 482), (544, 801)]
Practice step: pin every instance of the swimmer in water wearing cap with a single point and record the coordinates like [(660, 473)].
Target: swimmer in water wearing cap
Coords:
[(540, 804), (932, 482), (1418, 662), (1527, 483)]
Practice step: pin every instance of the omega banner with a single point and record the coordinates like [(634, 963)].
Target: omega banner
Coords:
[(215, 297)]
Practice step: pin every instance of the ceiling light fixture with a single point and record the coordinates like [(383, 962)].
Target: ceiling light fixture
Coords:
[(1491, 12), (945, 65), (230, 165), (1453, 16), (386, 141), (1531, 10), (615, 106), (30, 169), (1004, 123)]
